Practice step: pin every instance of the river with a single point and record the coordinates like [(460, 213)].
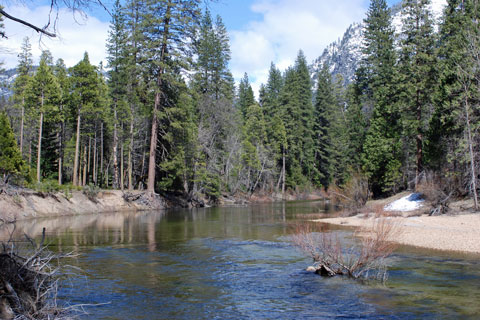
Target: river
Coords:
[(239, 263)]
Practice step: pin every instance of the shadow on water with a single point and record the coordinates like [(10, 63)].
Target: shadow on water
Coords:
[(238, 263)]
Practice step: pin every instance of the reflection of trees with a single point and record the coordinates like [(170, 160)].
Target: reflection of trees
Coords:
[(160, 230), (84, 230)]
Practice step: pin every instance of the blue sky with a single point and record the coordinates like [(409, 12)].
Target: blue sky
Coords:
[(261, 31)]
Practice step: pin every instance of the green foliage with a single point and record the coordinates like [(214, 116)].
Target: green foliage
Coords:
[(418, 76), (297, 114), (324, 116), (11, 162), (377, 87), (91, 191), (245, 95)]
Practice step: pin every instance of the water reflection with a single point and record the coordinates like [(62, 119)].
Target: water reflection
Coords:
[(238, 263)]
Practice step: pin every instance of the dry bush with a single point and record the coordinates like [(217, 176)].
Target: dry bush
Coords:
[(439, 191), (29, 282), (366, 259), (353, 194)]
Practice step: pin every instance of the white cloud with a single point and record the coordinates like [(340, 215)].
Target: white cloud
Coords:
[(286, 27), (76, 34)]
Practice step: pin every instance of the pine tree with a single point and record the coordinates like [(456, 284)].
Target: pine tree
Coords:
[(61, 73), (43, 95), (324, 107), (254, 139), (246, 97), (376, 84), (11, 162), (275, 128), (212, 76), (25, 69), (117, 80), (167, 24), (418, 77), (214, 90), (138, 115), (297, 116), (85, 101)]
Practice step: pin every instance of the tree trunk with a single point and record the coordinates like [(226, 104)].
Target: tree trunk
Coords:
[(39, 146), (153, 147), (89, 159), (472, 156), (283, 173), (115, 147), (21, 126), (59, 139), (95, 157), (156, 108), (130, 157), (101, 148), (77, 151), (30, 152), (84, 180), (122, 175), (144, 156), (419, 141)]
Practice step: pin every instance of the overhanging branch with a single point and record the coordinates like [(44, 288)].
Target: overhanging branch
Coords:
[(39, 30)]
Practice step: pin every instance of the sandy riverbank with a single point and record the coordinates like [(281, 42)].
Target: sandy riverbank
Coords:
[(26, 204), (459, 231)]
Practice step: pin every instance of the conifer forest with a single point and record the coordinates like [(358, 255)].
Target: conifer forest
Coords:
[(165, 115)]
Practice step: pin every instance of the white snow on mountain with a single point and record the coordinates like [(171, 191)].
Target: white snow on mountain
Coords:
[(344, 54)]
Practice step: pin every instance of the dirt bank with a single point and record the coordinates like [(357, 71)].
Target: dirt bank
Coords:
[(25, 204), (458, 231)]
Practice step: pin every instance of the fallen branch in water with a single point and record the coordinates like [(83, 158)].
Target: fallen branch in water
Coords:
[(29, 281)]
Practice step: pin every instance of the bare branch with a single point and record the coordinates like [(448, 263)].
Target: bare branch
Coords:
[(37, 29)]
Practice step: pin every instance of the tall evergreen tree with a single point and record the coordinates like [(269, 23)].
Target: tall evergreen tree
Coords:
[(43, 95), (166, 25), (61, 73), (25, 70), (376, 83), (85, 102), (298, 115), (418, 77), (214, 90), (117, 80), (246, 97), (132, 14), (212, 75), (324, 108)]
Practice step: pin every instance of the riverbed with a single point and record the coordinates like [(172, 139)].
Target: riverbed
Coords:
[(239, 263)]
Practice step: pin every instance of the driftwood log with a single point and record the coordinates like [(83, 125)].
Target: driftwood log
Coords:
[(29, 281)]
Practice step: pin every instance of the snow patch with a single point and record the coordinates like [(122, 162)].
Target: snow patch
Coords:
[(410, 202)]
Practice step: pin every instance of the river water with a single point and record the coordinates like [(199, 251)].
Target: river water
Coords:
[(239, 263)]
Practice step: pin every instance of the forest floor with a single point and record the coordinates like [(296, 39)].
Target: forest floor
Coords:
[(458, 230)]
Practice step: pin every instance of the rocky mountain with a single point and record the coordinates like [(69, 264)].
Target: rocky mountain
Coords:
[(344, 55), (6, 80)]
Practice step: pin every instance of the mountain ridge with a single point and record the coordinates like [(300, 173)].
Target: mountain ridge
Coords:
[(343, 56)]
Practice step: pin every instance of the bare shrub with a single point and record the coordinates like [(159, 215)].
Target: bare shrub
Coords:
[(439, 191), (332, 256), (29, 282), (353, 194)]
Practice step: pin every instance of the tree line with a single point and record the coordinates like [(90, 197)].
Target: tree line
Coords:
[(164, 114)]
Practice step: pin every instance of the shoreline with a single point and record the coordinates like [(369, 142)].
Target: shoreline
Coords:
[(457, 232), (18, 204)]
